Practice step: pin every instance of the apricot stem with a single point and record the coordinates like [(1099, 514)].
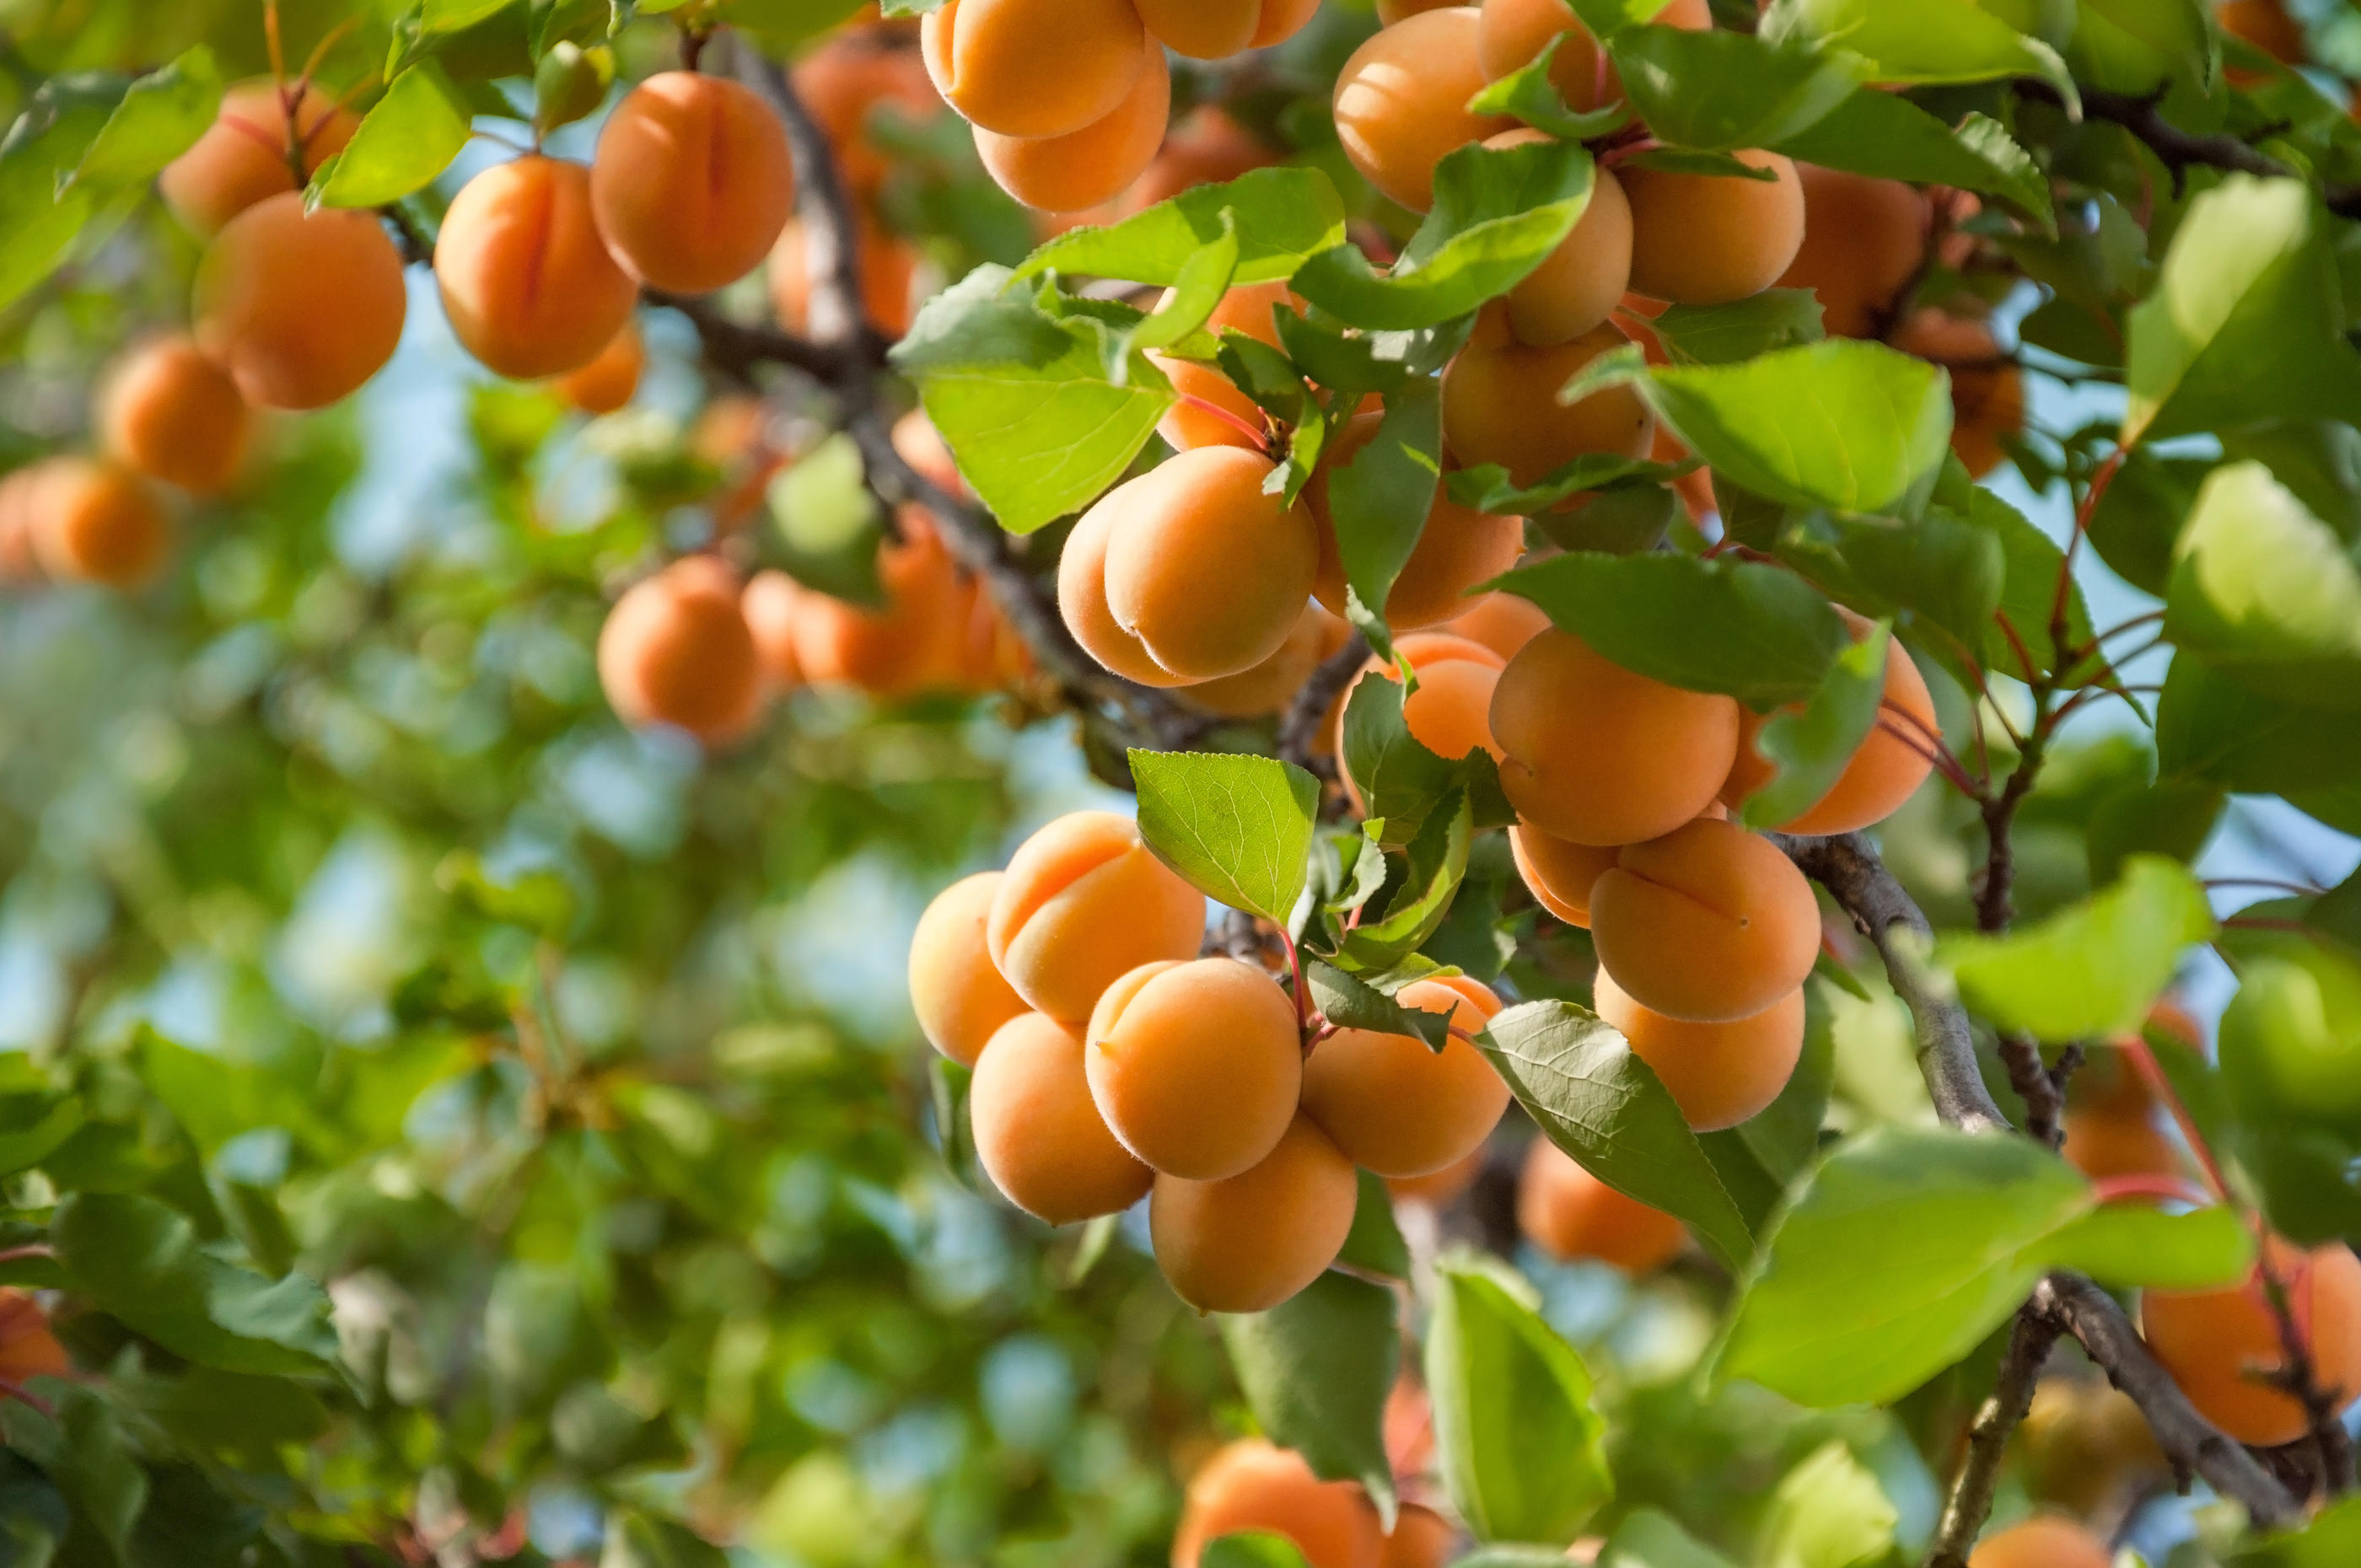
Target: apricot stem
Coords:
[(2149, 1184), (1261, 438), (2152, 1072), (30, 1249)]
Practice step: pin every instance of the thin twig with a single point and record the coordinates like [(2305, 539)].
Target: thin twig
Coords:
[(2029, 1342), (2180, 151), (1307, 715)]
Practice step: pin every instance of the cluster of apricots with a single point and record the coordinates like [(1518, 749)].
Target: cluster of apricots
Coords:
[(1251, 1484), (1113, 1063)]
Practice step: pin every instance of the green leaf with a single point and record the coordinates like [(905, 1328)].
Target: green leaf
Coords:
[(1350, 1003), (2170, 818), (2138, 520), (1379, 502), (2094, 968), (1316, 1370), (86, 1456), (1282, 216), (1606, 1107), (1375, 1244), (408, 137), (2265, 593), (1886, 135), (1938, 566), (1920, 40), (160, 117), (1487, 487), (2246, 320), (1400, 782), (27, 1145), (1498, 213), (2215, 731), (1647, 1538), (2031, 566), (1437, 859), (1238, 828), (2190, 1251), (1759, 633), (1527, 94), (569, 85), (1251, 1549), (1810, 746), (1725, 90), (1828, 1512), (457, 16), (37, 220), (636, 1539), (2331, 1540), (1516, 1439), (2290, 1038), (1724, 335), (825, 528), (1203, 278)]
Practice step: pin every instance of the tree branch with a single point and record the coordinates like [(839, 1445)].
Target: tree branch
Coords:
[(1299, 729), (2029, 1343), (736, 349), (2180, 151)]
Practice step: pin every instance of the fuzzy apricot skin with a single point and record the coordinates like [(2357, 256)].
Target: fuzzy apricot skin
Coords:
[(1421, 1539), (174, 415), (1502, 622), (1206, 148), (1719, 1074), (241, 158), (887, 266), (1579, 283), (1215, 30), (608, 382), (1708, 925), (1251, 1484), (526, 281), (850, 76), (20, 565), (1038, 1135), (1401, 102), (1082, 594), (1499, 401), (1558, 872), (1706, 239), (1457, 547), (1270, 686), (1083, 904), (895, 650), (2044, 1541), (1206, 570), (1885, 770), (1514, 32), (97, 522), (1439, 1188), (1599, 754), (1249, 308), (675, 650), (1865, 239), (1987, 392), (1197, 1064), (2215, 1342), (770, 606), (301, 308), (960, 999), (1570, 1214), (2102, 1143), (1248, 1242), (1398, 1108), (692, 181), (1085, 167), (28, 1347), (1034, 68)]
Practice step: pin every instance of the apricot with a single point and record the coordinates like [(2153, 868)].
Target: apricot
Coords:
[(1599, 754), (299, 308), (1864, 240), (241, 158), (2219, 1344), (1502, 622), (1085, 167), (959, 996), (1719, 1074), (608, 382), (1987, 387), (1083, 597), (1252, 309), (922, 447), (526, 281), (1422, 1539), (1513, 33), (28, 1347), (1457, 548), (1039, 1136), (692, 181), (19, 565), (899, 649), (986, 653), (1499, 401), (1215, 30), (1083, 903), (1396, 1106), (1558, 872), (174, 415), (1706, 239), (884, 263), (1206, 148), (1449, 712), (770, 604), (1885, 770), (1246, 1243), (1401, 102), (1196, 1063), (2043, 1542), (1575, 287), (1034, 68), (1251, 1484), (2103, 1144), (1271, 685), (1570, 1214), (2266, 25), (97, 522), (1708, 925), (1439, 1188), (845, 79), (1207, 571), (676, 649)]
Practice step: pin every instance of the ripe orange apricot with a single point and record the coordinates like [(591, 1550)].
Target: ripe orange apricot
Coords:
[(960, 997), (1706, 239), (769, 605), (299, 308), (1083, 903), (895, 650), (19, 487), (1558, 872), (1499, 401), (2043, 1542), (174, 415), (1039, 1136), (1034, 68), (241, 158), (526, 281), (1204, 568), (1514, 32), (2218, 1344), (1083, 596), (1251, 1485), (886, 263), (1708, 924), (1215, 30), (1864, 240), (1206, 148), (1249, 308), (97, 522), (1885, 770), (1086, 167), (2102, 1144), (1196, 1063), (1449, 713), (2266, 25), (849, 76), (28, 1347), (692, 181), (1401, 102), (1719, 1074), (922, 447), (1398, 1107), (1422, 1539), (1458, 547), (1599, 754), (1573, 289), (675, 650), (1987, 388), (1502, 622), (1271, 685), (1439, 1188), (608, 382), (1570, 1214), (1248, 1242)]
